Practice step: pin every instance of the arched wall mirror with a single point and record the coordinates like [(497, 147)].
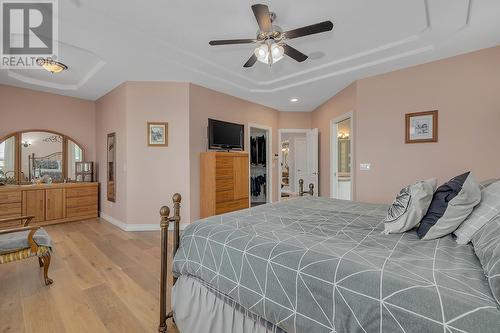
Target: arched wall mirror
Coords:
[(38, 154)]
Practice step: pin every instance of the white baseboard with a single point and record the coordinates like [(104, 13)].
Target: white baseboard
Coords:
[(136, 227)]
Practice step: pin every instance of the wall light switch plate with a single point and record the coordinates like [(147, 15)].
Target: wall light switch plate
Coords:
[(365, 166)]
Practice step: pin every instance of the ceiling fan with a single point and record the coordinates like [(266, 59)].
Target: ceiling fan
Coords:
[(271, 38)]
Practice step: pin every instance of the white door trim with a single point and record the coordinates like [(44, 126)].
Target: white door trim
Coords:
[(333, 155), (281, 131), (269, 161)]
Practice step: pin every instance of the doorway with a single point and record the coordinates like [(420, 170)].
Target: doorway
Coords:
[(341, 154), (260, 138), (298, 159)]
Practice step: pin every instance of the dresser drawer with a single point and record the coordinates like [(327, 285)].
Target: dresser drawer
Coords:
[(224, 163), (230, 206), (81, 191), (223, 184), (10, 197), (223, 196), (10, 210), (81, 201), (90, 210), (224, 173)]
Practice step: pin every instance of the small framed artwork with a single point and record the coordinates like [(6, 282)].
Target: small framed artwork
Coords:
[(157, 134), (422, 127)]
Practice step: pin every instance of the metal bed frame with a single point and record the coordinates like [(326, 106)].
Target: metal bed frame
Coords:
[(164, 224)]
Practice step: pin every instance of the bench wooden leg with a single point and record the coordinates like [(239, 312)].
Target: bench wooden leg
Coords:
[(46, 263), (40, 262)]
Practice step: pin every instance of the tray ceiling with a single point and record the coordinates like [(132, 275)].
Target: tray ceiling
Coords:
[(108, 42)]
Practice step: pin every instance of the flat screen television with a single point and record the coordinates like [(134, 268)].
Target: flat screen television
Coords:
[(224, 135)]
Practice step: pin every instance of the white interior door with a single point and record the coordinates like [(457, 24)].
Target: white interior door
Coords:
[(299, 163), (312, 161)]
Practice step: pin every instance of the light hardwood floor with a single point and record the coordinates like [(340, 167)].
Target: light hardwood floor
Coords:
[(105, 280)]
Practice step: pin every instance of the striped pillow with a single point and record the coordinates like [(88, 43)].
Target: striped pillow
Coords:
[(484, 212)]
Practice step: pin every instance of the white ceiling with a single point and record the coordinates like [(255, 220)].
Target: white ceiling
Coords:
[(108, 42)]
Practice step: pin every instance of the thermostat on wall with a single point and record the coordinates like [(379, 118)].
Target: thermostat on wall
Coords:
[(365, 166)]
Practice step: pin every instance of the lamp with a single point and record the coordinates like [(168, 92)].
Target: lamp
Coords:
[(269, 53), (51, 65)]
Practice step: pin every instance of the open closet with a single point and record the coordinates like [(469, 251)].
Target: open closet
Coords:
[(258, 166)]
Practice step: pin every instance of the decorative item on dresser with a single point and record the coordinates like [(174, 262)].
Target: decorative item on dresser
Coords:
[(84, 171), (50, 204), (224, 182)]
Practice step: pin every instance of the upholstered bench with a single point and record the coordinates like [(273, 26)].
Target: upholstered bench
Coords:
[(24, 242)]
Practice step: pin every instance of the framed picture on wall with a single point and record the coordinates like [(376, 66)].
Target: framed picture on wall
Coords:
[(422, 127), (157, 134)]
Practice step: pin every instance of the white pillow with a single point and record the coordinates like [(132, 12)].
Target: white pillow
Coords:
[(409, 207), (488, 208)]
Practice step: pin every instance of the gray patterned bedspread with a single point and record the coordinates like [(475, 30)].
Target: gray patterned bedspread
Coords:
[(322, 265)]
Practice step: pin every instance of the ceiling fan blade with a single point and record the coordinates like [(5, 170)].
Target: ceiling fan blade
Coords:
[(231, 41), (294, 53), (309, 30), (263, 17), (250, 62)]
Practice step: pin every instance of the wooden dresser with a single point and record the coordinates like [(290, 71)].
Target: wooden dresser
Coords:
[(224, 182), (50, 204)]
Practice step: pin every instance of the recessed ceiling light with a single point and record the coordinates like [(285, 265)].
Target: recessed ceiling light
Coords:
[(294, 100), (51, 65)]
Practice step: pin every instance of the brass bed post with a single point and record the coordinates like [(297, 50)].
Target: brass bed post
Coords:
[(301, 188), (165, 221)]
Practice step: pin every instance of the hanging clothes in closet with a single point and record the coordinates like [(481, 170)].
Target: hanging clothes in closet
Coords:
[(258, 177), (258, 149), (258, 185)]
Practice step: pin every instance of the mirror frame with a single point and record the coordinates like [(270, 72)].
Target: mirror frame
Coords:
[(18, 143), (111, 184)]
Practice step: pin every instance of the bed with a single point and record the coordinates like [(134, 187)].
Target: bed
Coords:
[(322, 265), (48, 166)]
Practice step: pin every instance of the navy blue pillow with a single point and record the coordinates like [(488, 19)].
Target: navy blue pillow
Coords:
[(441, 202)]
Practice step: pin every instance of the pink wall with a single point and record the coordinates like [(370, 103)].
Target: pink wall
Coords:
[(343, 102), (465, 90), (295, 120), (154, 174), (24, 109), (206, 103), (111, 117), (146, 177)]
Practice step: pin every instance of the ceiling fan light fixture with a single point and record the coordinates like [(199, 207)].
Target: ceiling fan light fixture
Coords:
[(51, 65), (262, 53), (272, 40), (277, 51), (269, 57)]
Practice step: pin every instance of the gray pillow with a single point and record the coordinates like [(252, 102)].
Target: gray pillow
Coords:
[(451, 205), (485, 183), (409, 207), (488, 208), (487, 247)]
